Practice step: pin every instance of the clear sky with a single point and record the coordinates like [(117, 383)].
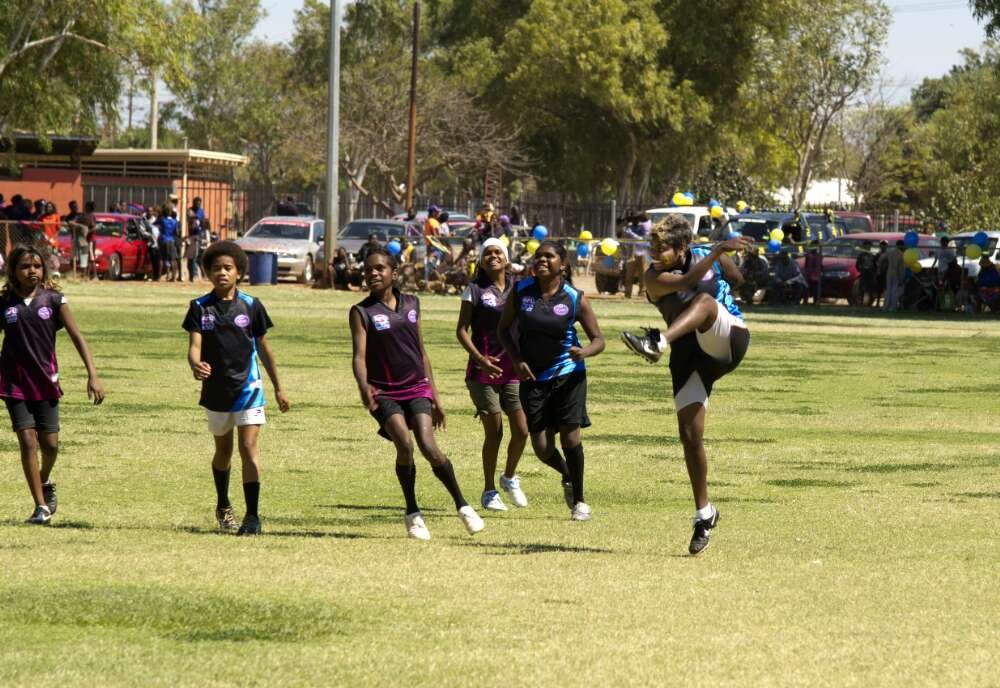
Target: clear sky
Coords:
[(924, 40)]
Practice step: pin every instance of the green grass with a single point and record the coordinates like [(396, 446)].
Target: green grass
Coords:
[(855, 460)]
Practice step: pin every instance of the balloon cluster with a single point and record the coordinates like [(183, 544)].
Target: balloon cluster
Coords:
[(583, 248), (682, 199)]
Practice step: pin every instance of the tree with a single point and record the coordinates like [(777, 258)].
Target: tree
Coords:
[(987, 11)]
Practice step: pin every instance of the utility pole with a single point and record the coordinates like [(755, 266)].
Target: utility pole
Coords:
[(154, 111), (411, 155), (332, 146)]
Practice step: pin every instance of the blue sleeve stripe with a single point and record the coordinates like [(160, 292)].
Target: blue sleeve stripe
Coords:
[(245, 298)]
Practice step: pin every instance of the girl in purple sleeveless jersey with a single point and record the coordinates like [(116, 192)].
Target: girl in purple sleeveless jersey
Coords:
[(34, 311), (490, 377), (397, 386)]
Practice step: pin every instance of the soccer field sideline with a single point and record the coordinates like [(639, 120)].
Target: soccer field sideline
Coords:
[(853, 457)]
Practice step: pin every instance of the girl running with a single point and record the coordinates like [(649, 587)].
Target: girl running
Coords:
[(548, 358), (490, 377), (397, 386), (34, 311)]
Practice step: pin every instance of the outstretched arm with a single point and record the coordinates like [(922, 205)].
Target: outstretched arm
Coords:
[(271, 366), (661, 283), (95, 389)]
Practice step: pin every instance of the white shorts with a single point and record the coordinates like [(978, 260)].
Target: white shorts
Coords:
[(221, 422), (716, 343)]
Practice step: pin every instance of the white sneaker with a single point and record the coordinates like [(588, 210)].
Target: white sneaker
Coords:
[(416, 528), (581, 512), (473, 522), (512, 486), (491, 501)]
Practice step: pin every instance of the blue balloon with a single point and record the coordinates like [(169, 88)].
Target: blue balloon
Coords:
[(393, 247), (689, 195), (980, 239), (582, 250), (540, 232), (773, 246), (911, 239), (712, 203)]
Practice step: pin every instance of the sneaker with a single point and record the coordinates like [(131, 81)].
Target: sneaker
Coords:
[(647, 346), (415, 527), (491, 501), (227, 519), (512, 486), (702, 530), (40, 516), (473, 522), (568, 494), (49, 491), (250, 526), (581, 512)]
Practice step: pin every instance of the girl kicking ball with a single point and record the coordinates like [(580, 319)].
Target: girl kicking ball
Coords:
[(397, 386), (547, 356), (33, 311)]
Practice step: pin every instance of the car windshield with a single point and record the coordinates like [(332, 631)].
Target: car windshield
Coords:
[(757, 228), (959, 244), (279, 230), (108, 228), (361, 230), (855, 224)]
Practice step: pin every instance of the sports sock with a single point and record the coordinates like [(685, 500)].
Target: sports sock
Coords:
[(704, 513), (574, 460), (251, 491), (557, 463), (663, 343), (221, 488), (407, 476), (446, 474)]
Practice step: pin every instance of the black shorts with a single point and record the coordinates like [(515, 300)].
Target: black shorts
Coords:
[(549, 404), (687, 357), (43, 416), (390, 407)]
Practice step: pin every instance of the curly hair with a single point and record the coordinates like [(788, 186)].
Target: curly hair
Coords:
[(673, 231), (226, 248), (19, 252)]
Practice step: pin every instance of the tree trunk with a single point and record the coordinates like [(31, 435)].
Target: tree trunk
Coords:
[(625, 178)]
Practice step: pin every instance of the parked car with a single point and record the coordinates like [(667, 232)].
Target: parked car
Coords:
[(121, 247), (296, 241), (698, 216), (819, 226), (758, 226), (855, 222), (992, 251), (355, 233)]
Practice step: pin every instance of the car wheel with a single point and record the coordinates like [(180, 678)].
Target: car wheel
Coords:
[(115, 267), (307, 271)]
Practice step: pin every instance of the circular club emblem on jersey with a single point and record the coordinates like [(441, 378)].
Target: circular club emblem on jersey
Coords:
[(208, 321), (490, 299), (11, 314), (527, 304), (242, 320), (561, 309), (44, 312), (412, 316), (380, 321)]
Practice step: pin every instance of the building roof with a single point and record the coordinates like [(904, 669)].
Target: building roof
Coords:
[(162, 163)]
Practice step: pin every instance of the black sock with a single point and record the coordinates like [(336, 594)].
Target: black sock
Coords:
[(557, 463), (408, 480), (446, 474), (251, 491), (221, 488), (574, 459)]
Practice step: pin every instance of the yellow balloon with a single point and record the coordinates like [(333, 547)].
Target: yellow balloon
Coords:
[(686, 200), (531, 246), (973, 251), (741, 206), (585, 235), (679, 198), (716, 212), (505, 240), (915, 267), (910, 256), (609, 247), (777, 234)]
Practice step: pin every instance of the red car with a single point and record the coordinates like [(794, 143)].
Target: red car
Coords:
[(855, 222), (121, 248), (840, 277)]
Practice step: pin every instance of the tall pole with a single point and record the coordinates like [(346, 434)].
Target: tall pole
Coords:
[(411, 154), (332, 145), (154, 111)]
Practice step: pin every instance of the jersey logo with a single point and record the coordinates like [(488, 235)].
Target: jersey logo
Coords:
[(527, 304), (490, 300), (242, 320), (44, 312), (412, 316), (208, 321), (11, 314), (380, 321), (561, 309)]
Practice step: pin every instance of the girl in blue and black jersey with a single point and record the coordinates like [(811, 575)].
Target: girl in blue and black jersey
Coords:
[(548, 357)]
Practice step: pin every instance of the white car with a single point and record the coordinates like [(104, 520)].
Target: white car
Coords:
[(294, 239), (698, 216), (960, 241)]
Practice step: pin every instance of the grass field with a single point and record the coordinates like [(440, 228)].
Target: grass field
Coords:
[(855, 460)]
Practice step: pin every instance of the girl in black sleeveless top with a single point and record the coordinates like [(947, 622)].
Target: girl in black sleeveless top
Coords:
[(397, 387)]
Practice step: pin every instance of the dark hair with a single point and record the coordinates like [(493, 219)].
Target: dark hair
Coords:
[(443, 217), (226, 248), (900, 243), (89, 206), (15, 257), (557, 246), (673, 230), (382, 251)]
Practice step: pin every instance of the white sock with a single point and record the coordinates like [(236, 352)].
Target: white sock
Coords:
[(704, 513), (663, 345)]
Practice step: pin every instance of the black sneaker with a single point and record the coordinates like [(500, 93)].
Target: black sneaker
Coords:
[(647, 346), (40, 516), (250, 526), (49, 492), (702, 530)]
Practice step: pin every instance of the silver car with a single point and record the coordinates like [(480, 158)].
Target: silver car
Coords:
[(296, 241)]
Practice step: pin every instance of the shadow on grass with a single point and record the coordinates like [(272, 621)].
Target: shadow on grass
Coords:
[(979, 495), (269, 534), (507, 549), (901, 467), (394, 510), (67, 525), (807, 482)]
